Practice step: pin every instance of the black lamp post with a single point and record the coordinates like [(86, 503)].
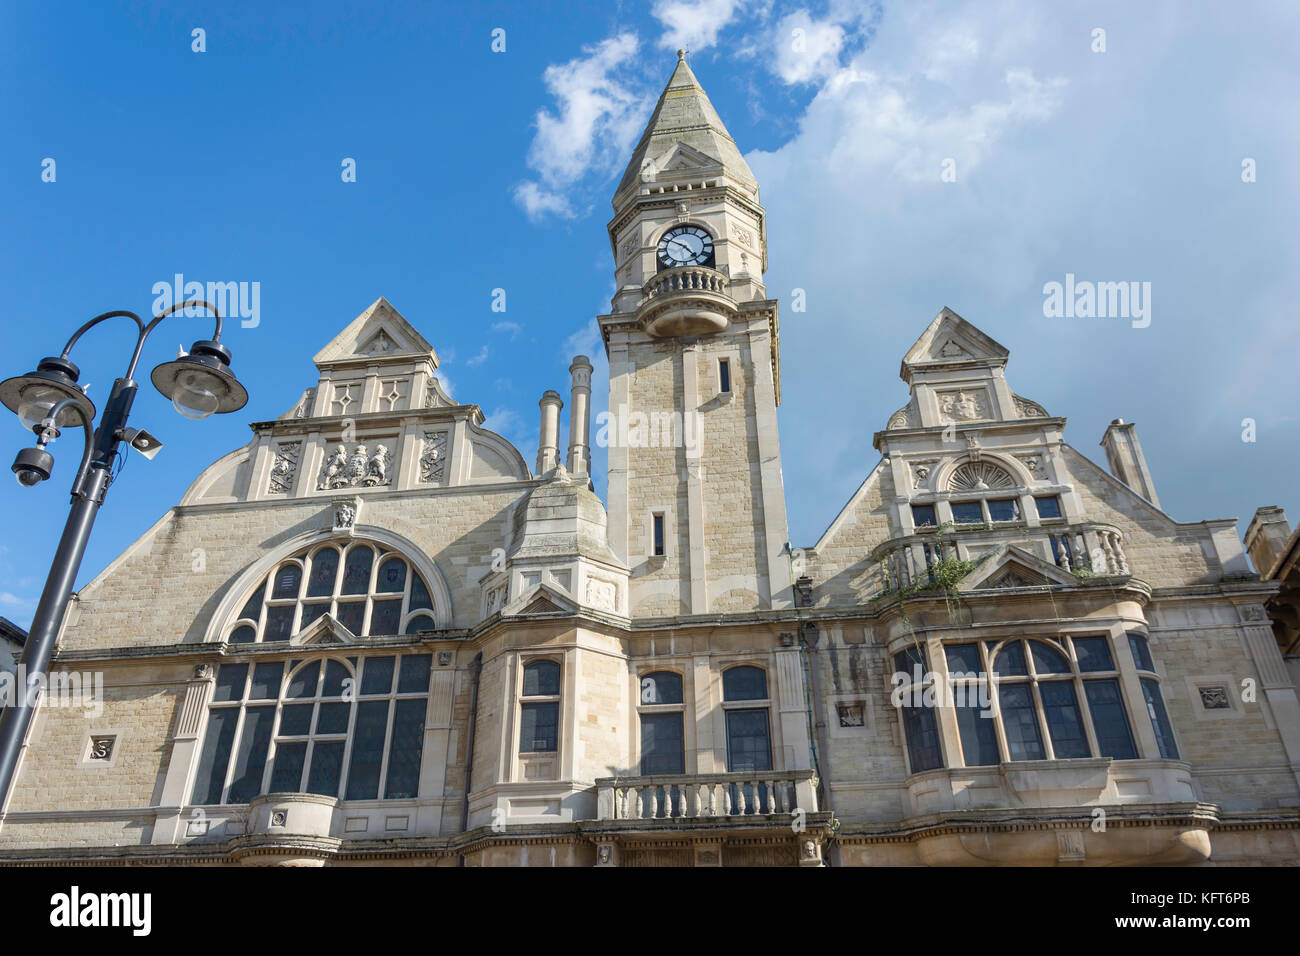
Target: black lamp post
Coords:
[(48, 400)]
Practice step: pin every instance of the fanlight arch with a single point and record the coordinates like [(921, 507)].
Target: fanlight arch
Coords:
[(980, 476), (372, 584)]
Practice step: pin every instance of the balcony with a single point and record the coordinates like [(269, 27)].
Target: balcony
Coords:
[(1085, 550), (686, 300), (761, 796)]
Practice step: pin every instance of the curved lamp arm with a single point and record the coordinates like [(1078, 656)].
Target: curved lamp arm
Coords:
[(144, 332), (86, 425)]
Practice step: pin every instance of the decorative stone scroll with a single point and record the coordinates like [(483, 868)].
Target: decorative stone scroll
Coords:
[(1027, 409), (361, 469), (284, 467), (433, 458)]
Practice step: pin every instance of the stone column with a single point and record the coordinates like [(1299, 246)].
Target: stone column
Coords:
[(548, 443), (580, 417)]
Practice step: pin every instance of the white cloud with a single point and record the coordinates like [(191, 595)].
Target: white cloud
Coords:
[(805, 49), (597, 118), (514, 328), (480, 358), (14, 601), (694, 24), (445, 382)]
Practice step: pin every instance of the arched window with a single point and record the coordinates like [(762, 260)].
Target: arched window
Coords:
[(367, 589), (341, 727)]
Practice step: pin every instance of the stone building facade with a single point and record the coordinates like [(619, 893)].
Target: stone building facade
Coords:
[(389, 640)]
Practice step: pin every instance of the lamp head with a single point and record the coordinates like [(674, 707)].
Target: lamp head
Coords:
[(201, 382), (32, 396)]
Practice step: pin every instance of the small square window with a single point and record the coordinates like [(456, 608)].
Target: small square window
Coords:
[(923, 516), (724, 375), (967, 512), (1049, 507), (1005, 509)]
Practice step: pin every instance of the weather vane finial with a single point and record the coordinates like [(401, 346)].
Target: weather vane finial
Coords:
[(681, 54)]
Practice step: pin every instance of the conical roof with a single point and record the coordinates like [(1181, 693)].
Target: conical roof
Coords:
[(685, 115)]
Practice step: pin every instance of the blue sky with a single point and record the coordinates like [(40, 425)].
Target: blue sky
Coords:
[(479, 170)]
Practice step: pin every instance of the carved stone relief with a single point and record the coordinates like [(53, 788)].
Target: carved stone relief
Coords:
[(602, 595), (360, 469), (284, 467), (433, 458), (964, 405)]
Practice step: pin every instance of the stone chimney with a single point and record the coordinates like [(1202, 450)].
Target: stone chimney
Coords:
[(1126, 461), (1266, 538), (580, 417), (548, 443)]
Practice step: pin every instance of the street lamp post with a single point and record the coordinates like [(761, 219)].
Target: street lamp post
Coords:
[(198, 383)]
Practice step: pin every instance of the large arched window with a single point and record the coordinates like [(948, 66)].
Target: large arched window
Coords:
[(342, 727), (369, 590)]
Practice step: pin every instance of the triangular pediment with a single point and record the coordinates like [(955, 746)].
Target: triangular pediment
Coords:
[(950, 339), (324, 630), (378, 333), (681, 158), (542, 599), (1012, 567)]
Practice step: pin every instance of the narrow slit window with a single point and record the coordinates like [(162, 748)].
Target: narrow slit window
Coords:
[(724, 375), (658, 535)]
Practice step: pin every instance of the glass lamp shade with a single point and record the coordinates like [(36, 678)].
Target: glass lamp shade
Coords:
[(32, 396), (200, 384)]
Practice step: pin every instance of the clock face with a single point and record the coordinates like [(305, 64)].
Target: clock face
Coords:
[(685, 246)]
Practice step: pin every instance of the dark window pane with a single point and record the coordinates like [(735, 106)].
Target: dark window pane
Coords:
[(1093, 654), (215, 756), (404, 750), (1109, 720), (230, 682), (744, 683), (392, 576), (724, 375), (385, 616), (295, 720), (303, 683), (326, 765), (922, 733), (963, 659), (542, 679), (1047, 659), (658, 522), (266, 681), (356, 571), (336, 676), (923, 516), (1010, 660), (421, 622), (910, 660), (244, 634), (352, 615), (539, 728), (967, 512), (377, 678), (413, 675), (333, 718), (1064, 722), (979, 740), (661, 687), (1005, 509), (310, 613), (250, 759), (324, 569), (1141, 652), (1048, 507), (279, 623), (419, 594), (1159, 719), (286, 775), (253, 606), (287, 581), (1019, 722), (662, 744), (748, 744)]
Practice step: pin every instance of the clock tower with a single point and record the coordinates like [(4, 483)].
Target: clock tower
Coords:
[(696, 503)]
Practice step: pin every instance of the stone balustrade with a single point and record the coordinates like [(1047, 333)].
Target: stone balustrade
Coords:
[(686, 279), (761, 794), (1089, 548)]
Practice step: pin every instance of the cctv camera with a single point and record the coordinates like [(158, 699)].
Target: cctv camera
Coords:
[(32, 466)]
